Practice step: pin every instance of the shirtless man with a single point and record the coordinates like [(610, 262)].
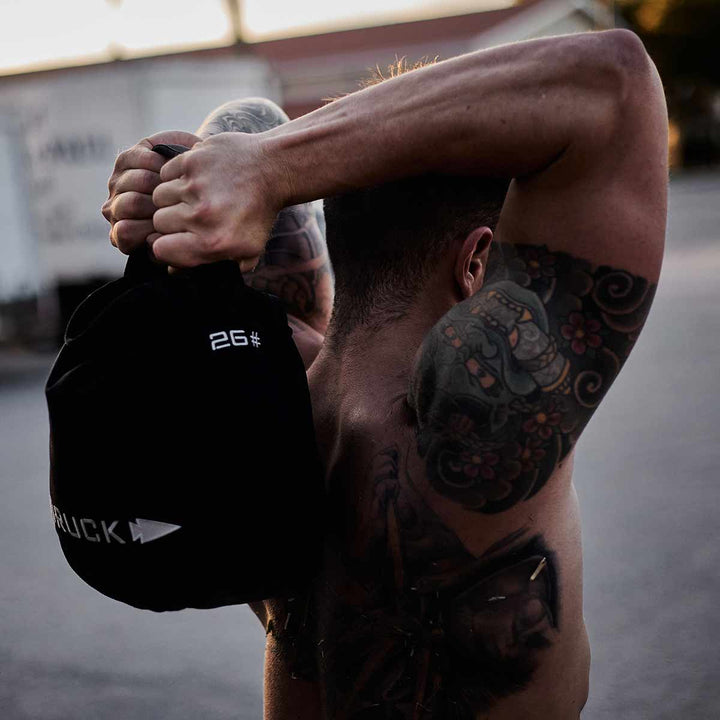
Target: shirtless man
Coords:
[(447, 396)]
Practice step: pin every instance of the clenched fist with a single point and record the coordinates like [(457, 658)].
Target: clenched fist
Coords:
[(215, 202), (129, 208)]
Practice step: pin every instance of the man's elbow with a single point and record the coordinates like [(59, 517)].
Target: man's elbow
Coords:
[(625, 49), (637, 76), (631, 85)]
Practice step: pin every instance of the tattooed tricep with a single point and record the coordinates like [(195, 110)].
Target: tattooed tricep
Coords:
[(508, 379)]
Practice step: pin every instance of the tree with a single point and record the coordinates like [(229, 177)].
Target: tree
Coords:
[(683, 38)]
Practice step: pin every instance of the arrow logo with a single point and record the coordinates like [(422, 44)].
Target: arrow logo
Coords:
[(148, 530)]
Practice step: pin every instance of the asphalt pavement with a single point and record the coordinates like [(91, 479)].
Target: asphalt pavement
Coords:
[(646, 471)]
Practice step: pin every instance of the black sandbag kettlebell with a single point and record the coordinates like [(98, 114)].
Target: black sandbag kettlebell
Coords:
[(183, 465)]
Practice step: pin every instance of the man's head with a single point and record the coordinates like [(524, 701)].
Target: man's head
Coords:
[(247, 115), (387, 242)]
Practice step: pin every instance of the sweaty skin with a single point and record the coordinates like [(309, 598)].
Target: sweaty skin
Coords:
[(451, 582)]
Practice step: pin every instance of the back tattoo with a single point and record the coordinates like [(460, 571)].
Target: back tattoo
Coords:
[(421, 628)]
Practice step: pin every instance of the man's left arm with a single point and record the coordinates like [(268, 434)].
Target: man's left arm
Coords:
[(295, 266)]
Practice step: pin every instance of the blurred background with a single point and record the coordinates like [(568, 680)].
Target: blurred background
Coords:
[(82, 79)]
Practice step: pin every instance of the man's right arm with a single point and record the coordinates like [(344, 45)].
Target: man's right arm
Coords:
[(579, 121)]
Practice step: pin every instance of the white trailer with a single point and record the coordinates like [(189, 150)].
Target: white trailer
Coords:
[(59, 136), (19, 265)]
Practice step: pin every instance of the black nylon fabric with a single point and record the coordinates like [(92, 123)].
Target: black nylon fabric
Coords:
[(153, 431)]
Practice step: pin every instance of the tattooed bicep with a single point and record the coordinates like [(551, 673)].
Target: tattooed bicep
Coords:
[(507, 380)]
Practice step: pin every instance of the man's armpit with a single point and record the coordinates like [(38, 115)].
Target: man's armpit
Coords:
[(508, 379)]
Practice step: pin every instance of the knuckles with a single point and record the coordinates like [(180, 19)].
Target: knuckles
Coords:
[(142, 181), (131, 205), (126, 238), (204, 211), (148, 181), (106, 210), (129, 187), (212, 244), (159, 222), (192, 187), (189, 161), (121, 160), (174, 168)]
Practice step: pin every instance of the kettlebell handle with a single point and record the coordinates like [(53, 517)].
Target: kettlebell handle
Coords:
[(169, 150)]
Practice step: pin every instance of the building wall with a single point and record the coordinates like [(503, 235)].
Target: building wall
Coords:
[(316, 67), (70, 126)]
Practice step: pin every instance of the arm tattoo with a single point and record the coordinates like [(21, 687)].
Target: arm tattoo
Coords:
[(418, 627), (296, 267), (509, 378)]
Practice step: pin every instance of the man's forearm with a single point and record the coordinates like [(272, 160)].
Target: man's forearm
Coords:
[(505, 112), (527, 111)]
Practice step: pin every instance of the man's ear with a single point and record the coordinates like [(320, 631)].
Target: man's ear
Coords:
[(472, 260)]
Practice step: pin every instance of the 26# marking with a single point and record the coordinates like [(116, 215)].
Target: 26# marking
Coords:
[(233, 338)]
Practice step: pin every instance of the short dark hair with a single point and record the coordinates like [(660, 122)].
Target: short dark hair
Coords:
[(385, 240)]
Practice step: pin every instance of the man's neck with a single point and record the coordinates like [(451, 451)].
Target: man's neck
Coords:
[(381, 358)]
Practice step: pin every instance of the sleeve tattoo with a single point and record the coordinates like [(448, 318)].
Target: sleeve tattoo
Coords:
[(508, 379), (295, 266)]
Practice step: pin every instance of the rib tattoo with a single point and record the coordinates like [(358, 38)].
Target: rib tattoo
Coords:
[(414, 625)]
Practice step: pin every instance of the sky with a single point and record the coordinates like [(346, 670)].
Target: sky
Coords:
[(36, 34)]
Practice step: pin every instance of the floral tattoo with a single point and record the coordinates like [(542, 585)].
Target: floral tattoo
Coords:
[(509, 378)]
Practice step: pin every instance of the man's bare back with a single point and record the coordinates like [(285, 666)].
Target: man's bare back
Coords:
[(451, 582), (452, 575)]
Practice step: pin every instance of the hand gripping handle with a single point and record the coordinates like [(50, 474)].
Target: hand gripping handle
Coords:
[(140, 265)]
